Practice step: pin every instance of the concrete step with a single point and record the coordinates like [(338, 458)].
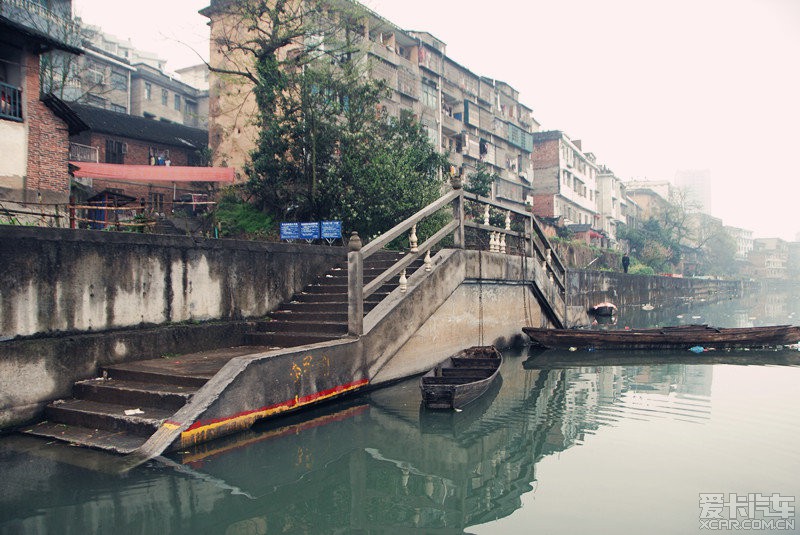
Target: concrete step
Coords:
[(335, 297), (306, 327), (115, 441), (134, 393), (132, 372), (311, 314), (108, 416), (322, 289), (290, 339)]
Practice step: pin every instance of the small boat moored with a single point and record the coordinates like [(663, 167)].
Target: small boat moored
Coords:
[(677, 337), (461, 378), (605, 308)]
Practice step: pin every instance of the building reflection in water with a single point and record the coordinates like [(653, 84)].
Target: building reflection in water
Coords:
[(374, 463)]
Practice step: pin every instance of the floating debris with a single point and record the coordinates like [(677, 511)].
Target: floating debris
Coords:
[(133, 412)]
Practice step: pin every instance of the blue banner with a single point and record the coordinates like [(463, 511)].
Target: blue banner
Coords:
[(331, 230), (290, 231), (309, 231)]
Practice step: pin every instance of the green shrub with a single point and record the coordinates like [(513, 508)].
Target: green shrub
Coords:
[(240, 219)]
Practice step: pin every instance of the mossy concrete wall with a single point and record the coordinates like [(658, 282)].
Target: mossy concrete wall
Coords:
[(73, 281)]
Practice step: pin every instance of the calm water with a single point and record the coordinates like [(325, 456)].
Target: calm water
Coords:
[(565, 444)]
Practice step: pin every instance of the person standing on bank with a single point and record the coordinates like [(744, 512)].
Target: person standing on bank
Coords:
[(626, 261)]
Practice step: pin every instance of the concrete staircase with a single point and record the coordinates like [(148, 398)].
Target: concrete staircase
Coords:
[(319, 312), (122, 408)]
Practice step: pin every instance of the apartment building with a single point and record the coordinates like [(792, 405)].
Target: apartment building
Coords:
[(566, 180), (612, 202), (476, 119), (114, 75), (743, 239), (652, 197), (33, 140), (156, 95), (769, 258)]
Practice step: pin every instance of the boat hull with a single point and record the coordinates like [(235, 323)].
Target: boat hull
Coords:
[(461, 378), (681, 337)]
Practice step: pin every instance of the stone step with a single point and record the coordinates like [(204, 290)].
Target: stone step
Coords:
[(134, 393), (305, 327), (290, 339), (115, 441), (108, 416)]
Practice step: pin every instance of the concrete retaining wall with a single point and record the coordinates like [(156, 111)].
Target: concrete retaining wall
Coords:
[(587, 288), (57, 280)]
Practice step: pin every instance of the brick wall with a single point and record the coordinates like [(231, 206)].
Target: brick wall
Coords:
[(545, 154), (138, 151), (543, 205), (48, 142)]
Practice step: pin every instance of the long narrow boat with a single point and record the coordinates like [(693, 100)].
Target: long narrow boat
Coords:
[(461, 378), (678, 337)]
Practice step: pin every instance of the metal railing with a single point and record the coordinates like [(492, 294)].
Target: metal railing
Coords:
[(530, 240), (10, 102), (83, 153), (59, 26)]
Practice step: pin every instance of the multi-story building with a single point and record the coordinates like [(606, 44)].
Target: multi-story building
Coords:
[(114, 75), (33, 140), (475, 119), (566, 180), (652, 197), (156, 95), (744, 241), (769, 258), (697, 185), (612, 202)]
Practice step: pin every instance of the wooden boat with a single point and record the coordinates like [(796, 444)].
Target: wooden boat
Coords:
[(678, 337), (604, 309), (461, 378)]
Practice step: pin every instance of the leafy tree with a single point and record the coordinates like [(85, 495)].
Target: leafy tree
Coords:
[(480, 182), (323, 149)]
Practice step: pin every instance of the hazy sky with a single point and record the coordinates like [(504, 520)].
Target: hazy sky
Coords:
[(650, 87)]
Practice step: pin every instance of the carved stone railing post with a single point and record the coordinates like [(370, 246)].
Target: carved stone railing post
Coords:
[(427, 261), (486, 215), (508, 220), (459, 239), (403, 281), (355, 286), (503, 243), (412, 240)]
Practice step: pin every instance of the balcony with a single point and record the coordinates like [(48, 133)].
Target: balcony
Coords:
[(83, 153), (10, 102), (53, 25)]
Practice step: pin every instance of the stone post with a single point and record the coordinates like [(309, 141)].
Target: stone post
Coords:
[(458, 213), (355, 286)]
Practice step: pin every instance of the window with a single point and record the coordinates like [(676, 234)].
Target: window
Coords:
[(164, 97), (115, 151), (430, 96), (178, 102), (119, 81), (96, 101), (148, 91), (119, 109), (10, 102)]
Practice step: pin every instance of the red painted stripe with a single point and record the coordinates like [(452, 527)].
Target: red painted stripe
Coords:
[(287, 404)]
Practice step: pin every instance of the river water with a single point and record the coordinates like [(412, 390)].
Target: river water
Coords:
[(568, 442)]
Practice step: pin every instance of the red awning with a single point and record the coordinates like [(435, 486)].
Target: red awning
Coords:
[(152, 173)]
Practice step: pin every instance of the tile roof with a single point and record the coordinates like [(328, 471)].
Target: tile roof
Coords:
[(140, 128)]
